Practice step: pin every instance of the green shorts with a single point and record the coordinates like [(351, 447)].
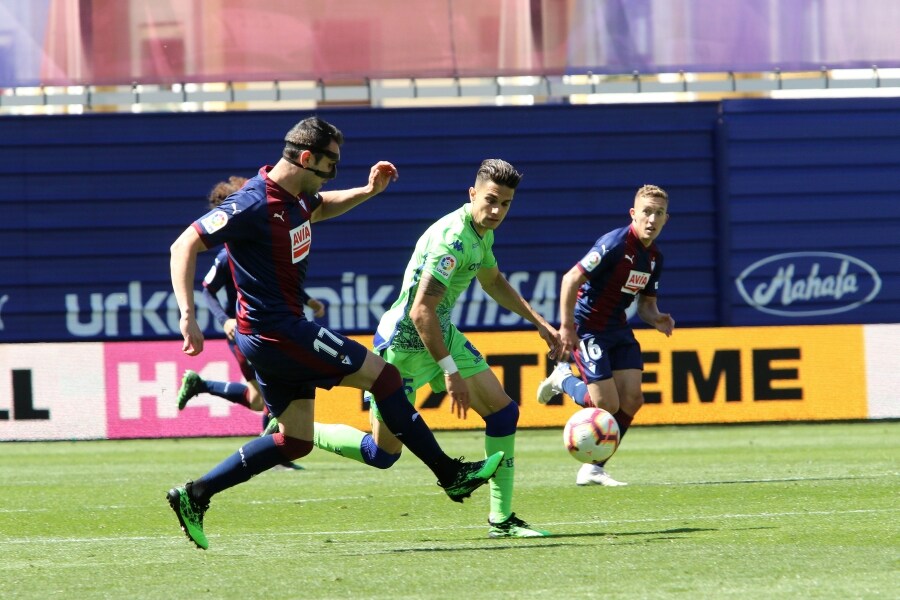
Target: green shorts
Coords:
[(418, 368)]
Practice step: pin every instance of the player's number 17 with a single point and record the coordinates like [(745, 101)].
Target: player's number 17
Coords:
[(321, 346)]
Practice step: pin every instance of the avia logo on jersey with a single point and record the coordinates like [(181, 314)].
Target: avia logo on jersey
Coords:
[(214, 221), (804, 284), (446, 265), (637, 281), (301, 240)]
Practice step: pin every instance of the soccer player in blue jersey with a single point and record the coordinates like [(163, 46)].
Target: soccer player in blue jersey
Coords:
[(417, 336), (267, 229), (595, 293), (219, 278)]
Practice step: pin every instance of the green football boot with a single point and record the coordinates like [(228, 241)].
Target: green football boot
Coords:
[(514, 527), (471, 476), (190, 514), (191, 385)]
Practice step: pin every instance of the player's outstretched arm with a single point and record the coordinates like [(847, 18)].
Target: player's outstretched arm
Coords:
[(337, 202), (317, 306), (649, 314), (182, 265), (498, 287), (568, 294)]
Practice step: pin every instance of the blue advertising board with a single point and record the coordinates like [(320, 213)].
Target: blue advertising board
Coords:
[(782, 212), (813, 225)]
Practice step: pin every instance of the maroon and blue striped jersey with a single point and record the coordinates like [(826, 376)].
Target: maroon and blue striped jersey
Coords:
[(267, 233), (617, 267), (219, 277)]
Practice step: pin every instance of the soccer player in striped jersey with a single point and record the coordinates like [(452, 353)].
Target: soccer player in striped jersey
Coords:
[(267, 229), (219, 278), (417, 336), (594, 296)]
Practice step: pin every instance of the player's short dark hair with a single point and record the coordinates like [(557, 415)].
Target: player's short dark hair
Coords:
[(310, 134), (652, 191), (223, 189), (499, 171)]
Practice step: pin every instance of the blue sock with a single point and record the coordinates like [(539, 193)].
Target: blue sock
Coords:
[(408, 425), (254, 457), (503, 422), (575, 388), (375, 456), (404, 422), (230, 390)]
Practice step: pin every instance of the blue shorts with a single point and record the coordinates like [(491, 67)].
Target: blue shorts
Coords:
[(294, 360), (244, 364), (600, 353)]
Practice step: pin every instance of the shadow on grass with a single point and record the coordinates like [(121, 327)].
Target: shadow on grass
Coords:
[(553, 540)]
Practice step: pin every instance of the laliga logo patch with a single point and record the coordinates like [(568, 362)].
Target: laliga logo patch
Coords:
[(214, 222), (446, 265), (591, 261)]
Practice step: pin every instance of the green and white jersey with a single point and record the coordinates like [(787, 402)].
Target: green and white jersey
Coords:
[(452, 252)]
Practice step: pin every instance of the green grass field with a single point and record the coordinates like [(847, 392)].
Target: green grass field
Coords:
[(772, 511)]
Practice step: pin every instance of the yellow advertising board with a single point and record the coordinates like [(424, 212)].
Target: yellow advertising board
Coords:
[(727, 375)]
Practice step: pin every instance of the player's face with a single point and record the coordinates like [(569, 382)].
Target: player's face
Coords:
[(490, 203), (323, 164), (648, 216)]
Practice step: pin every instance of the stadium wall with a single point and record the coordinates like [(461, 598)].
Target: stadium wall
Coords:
[(116, 390), (783, 216), (783, 212)]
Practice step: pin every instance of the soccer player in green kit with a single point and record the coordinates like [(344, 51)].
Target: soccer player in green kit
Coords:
[(417, 336)]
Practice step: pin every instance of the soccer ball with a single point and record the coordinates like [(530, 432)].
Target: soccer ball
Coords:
[(591, 435)]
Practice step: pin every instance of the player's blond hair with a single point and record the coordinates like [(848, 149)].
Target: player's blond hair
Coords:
[(651, 191)]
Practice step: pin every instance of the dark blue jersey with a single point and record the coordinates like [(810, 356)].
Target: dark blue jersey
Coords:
[(618, 267), (268, 235), (219, 277)]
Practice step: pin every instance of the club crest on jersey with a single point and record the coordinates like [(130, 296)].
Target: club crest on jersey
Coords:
[(637, 281), (214, 221), (301, 240), (446, 265), (591, 261)]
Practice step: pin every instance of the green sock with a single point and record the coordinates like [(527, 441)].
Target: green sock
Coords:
[(339, 439), (502, 483)]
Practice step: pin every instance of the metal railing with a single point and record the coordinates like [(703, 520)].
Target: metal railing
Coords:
[(585, 88)]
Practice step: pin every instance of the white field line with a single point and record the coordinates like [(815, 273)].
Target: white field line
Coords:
[(420, 494), (176, 535)]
